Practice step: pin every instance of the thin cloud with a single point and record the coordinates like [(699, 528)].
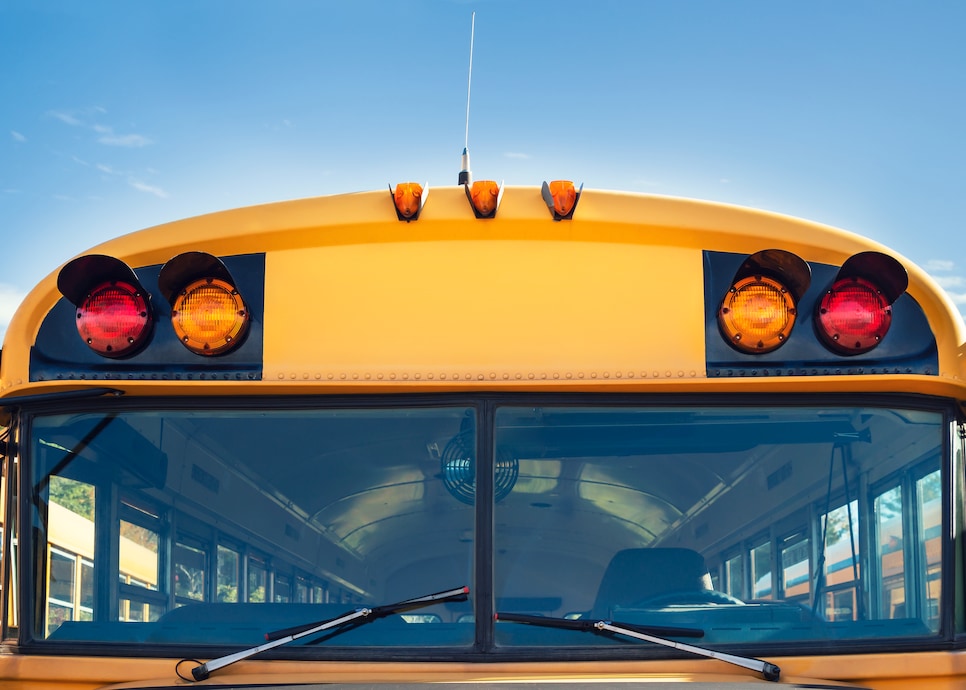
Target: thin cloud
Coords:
[(947, 282), (17, 136), (126, 140), (148, 189), (957, 297), (66, 118), (940, 265), (106, 133)]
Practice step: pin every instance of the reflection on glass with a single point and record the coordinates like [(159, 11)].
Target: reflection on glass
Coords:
[(796, 578), (891, 554), (618, 510), (734, 567), (929, 507), (761, 571), (228, 574), (189, 572), (641, 514)]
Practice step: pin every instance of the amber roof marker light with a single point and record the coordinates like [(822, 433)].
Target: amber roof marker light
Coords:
[(409, 199), (855, 313), (113, 310), (484, 197), (208, 313), (561, 198), (760, 308)]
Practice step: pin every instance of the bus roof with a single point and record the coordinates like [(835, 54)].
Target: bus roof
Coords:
[(355, 298)]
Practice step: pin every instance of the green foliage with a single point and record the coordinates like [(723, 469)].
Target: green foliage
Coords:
[(77, 497)]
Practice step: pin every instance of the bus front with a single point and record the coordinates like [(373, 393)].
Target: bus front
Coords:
[(355, 439)]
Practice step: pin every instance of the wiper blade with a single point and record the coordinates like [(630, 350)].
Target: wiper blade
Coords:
[(589, 625), (767, 669), (361, 615)]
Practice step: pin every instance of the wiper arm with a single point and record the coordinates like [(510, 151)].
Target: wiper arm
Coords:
[(589, 625), (362, 615), (649, 634)]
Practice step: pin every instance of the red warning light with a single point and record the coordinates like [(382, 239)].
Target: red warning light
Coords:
[(114, 319), (855, 313)]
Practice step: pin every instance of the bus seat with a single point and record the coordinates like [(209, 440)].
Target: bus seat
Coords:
[(635, 575)]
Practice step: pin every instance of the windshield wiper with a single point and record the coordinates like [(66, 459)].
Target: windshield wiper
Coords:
[(361, 615), (648, 633)]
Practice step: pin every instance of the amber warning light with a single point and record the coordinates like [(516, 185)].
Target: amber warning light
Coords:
[(207, 311), (759, 310)]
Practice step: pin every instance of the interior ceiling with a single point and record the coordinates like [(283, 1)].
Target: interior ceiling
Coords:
[(373, 480)]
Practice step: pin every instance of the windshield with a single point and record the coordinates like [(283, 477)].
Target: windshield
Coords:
[(218, 526), (750, 524)]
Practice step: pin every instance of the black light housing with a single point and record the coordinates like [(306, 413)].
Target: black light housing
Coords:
[(855, 313), (759, 310), (208, 313), (113, 311)]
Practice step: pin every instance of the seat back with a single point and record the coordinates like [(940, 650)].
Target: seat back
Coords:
[(635, 575)]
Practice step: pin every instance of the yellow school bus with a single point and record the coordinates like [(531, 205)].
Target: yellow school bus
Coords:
[(484, 435)]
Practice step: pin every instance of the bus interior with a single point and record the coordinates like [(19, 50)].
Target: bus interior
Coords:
[(204, 524)]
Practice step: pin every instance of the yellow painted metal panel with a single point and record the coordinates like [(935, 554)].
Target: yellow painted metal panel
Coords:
[(483, 310)]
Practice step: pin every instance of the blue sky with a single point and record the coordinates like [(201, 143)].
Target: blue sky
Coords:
[(116, 116)]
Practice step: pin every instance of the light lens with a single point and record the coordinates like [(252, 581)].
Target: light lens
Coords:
[(408, 198), (854, 316), (485, 194), (114, 319), (564, 196), (210, 317), (757, 314)]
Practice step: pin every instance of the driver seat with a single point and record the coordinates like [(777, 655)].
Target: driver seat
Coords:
[(634, 575)]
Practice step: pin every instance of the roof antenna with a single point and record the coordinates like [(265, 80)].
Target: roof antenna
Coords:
[(466, 176)]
